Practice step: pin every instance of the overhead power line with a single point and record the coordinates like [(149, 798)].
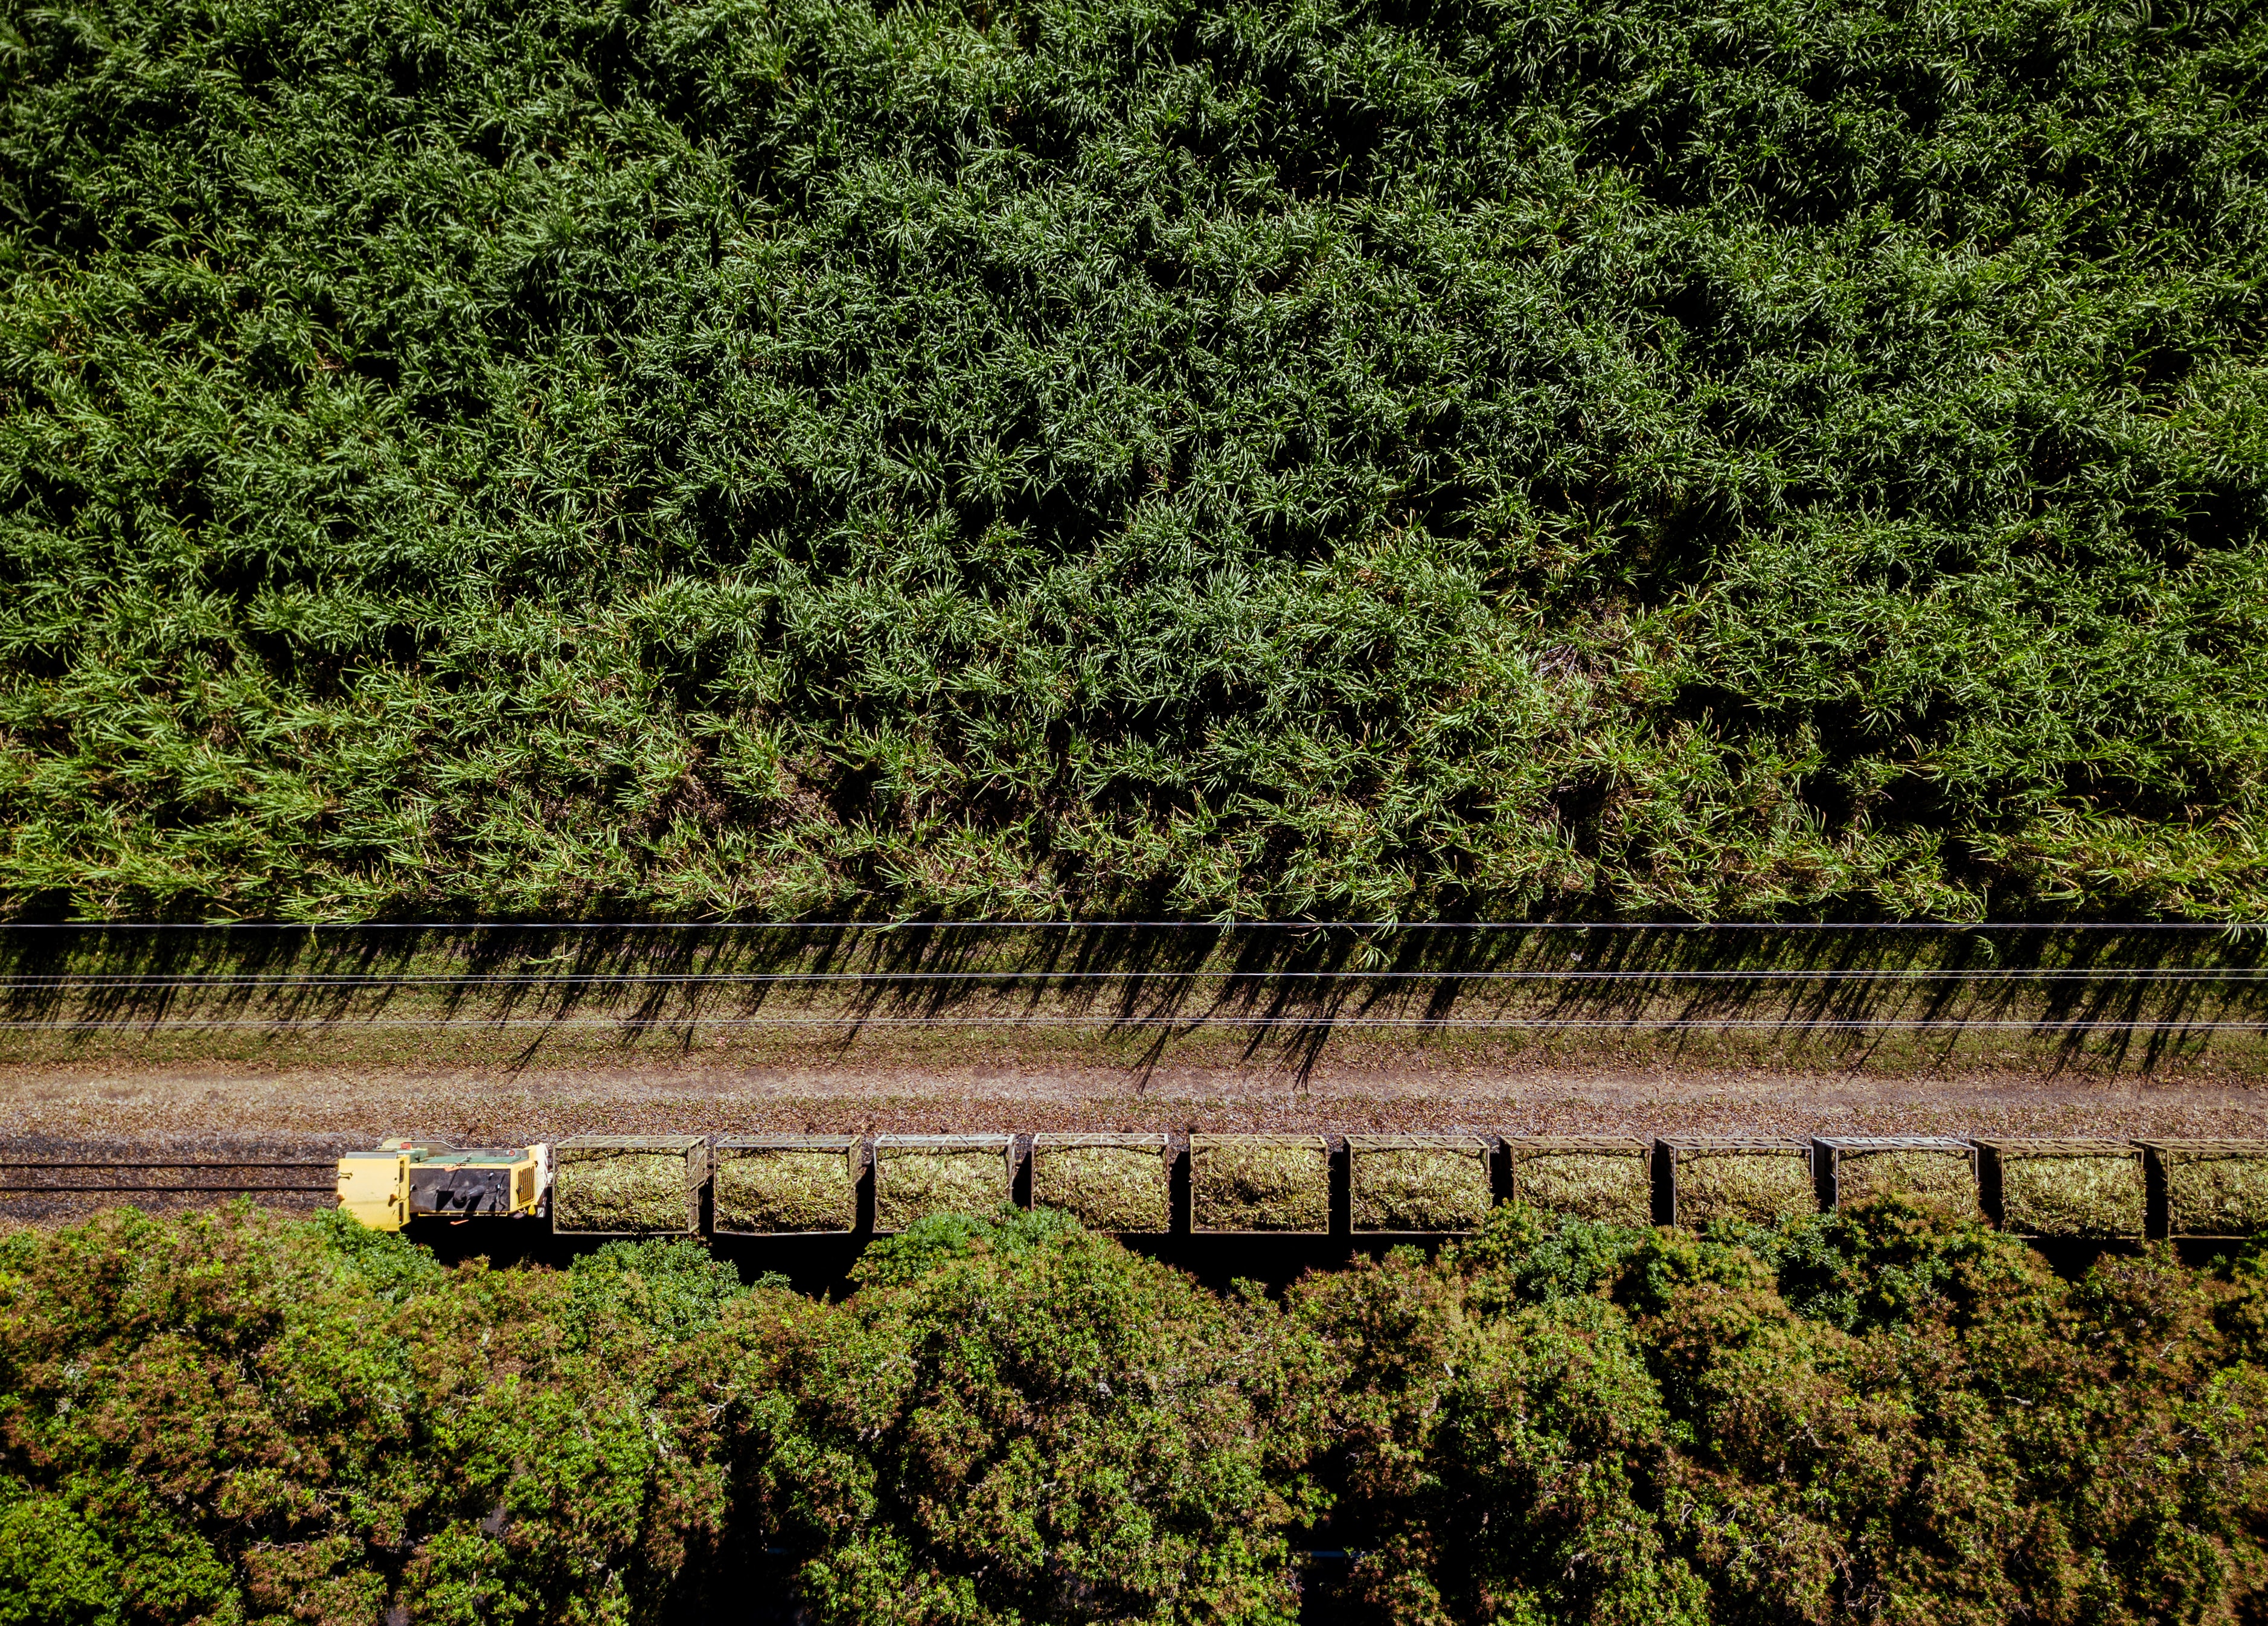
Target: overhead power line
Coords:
[(1807, 1023), (230, 982), (1148, 925)]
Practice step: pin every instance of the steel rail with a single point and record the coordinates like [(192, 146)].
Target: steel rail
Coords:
[(19, 1191), (9, 1163)]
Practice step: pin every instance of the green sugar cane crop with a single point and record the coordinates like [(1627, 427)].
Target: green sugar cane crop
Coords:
[(913, 1182), (1418, 1183), (622, 1191), (1759, 1185), (1610, 1183), (1942, 1176), (1259, 1183), (756, 1190), (2071, 1189), (1107, 1186), (2215, 1189), (993, 460)]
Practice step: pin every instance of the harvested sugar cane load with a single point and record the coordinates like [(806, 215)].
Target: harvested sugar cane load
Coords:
[(1110, 1182), (1418, 1182), (629, 1185), (1761, 1182), (1260, 1182), (919, 1175), (2212, 1188), (1603, 1177), (772, 1185), (1929, 1169), (2078, 1188)]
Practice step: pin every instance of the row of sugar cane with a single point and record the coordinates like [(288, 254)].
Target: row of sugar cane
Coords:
[(1316, 1184)]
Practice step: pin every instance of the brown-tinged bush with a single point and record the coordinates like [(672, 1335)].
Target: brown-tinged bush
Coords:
[(1020, 1420), (1883, 1414), (234, 1417)]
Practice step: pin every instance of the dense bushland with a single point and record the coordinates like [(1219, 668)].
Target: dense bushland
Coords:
[(1082, 456), (239, 1419), (1883, 1415)]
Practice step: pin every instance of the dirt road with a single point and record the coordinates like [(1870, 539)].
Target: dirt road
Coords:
[(232, 1104)]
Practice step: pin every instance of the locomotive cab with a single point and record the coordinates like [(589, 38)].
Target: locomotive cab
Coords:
[(406, 1179), (374, 1188)]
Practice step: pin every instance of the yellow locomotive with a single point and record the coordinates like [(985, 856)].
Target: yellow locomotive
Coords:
[(406, 1179)]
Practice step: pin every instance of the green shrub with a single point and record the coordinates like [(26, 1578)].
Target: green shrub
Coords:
[(1500, 1456), (660, 1291), (235, 1416), (1878, 1264), (1885, 1413), (1017, 1419), (1525, 1255)]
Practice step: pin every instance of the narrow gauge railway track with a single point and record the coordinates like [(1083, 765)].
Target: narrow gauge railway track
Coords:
[(62, 1168)]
